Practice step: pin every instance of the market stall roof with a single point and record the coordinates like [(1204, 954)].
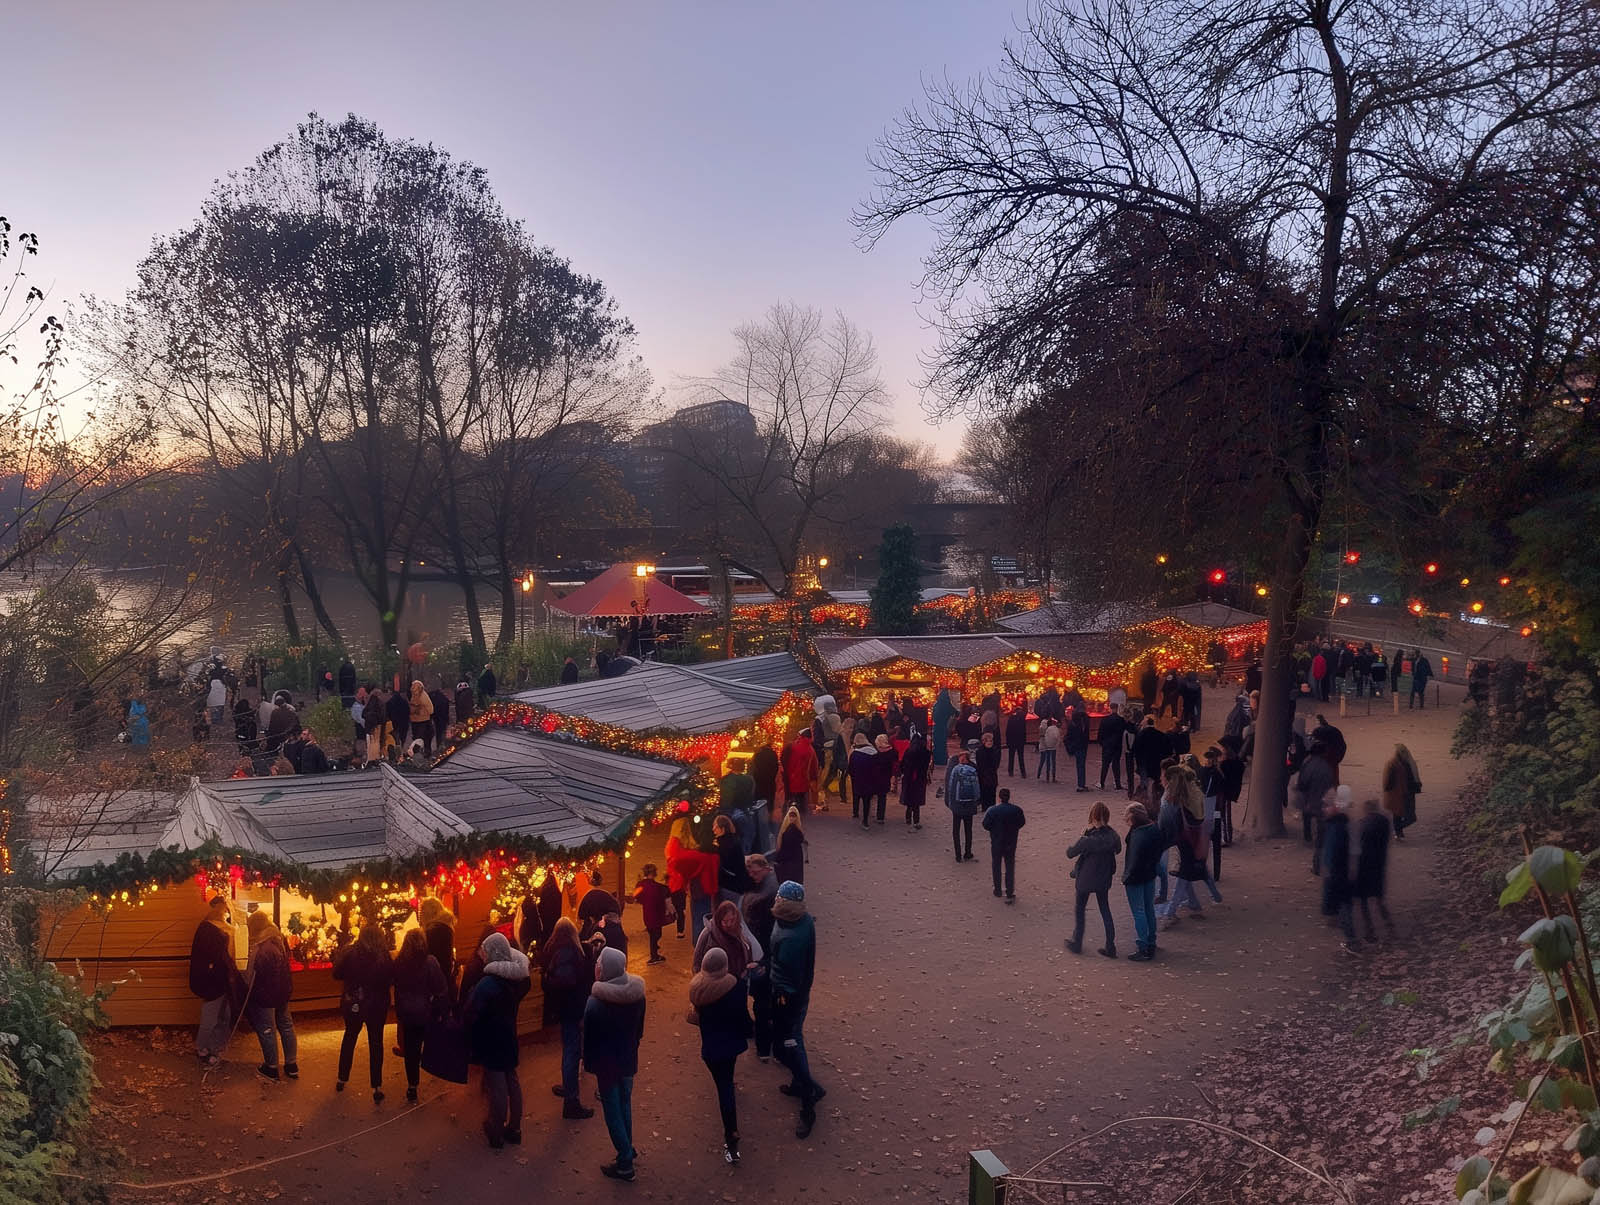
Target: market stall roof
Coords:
[(692, 699), (80, 831), (517, 783), (853, 597), (1058, 617), (1213, 615), (619, 592), (966, 652), (509, 780)]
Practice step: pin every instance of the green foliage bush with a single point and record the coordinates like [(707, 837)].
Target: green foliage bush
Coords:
[(46, 1074), (331, 723)]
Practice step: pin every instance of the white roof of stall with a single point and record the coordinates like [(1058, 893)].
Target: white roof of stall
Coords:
[(686, 698)]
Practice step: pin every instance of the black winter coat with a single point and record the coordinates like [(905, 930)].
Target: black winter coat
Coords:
[(1336, 882), (1016, 731), (1149, 750), (1096, 852), (1372, 861), (366, 977), (1144, 855), (210, 964), (491, 1020), (419, 990), (725, 1025)]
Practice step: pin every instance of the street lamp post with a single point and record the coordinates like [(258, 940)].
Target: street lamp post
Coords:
[(522, 609)]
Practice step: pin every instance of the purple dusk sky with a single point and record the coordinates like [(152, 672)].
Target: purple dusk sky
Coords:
[(701, 158)]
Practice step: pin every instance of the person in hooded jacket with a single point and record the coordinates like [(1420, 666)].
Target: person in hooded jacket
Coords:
[(863, 778), (490, 1017), (365, 969), (211, 974), (793, 966), (419, 997), (728, 932), (613, 1025), (1017, 741), (271, 987), (566, 972), (717, 997), (1096, 852)]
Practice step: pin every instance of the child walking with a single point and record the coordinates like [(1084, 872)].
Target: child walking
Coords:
[(655, 902)]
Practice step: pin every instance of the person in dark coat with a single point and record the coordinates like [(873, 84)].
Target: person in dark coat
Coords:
[(863, 769), (1338, 889), (463, 701), (550, 904), (271, 988), (419, 997), (1139, 879), (1421, 673), (438, 926), (986, 760), (1330, 738), (1150, 749), (441, 713), (944, 711), (1372, 866), (1232, 768), (211, 976), (490, 1017), (365, 969), (1149, 683), (789, 856), (312, 758), (1096, 852), (566, 974), (1193, 695), (914, 770), (963, 791), (1316, 779), (487, 686), (569, 672), (764, 774), (347, 683), (1017, 741), (1075, 740), (1109, 738), (1003, 822), (756, 908), (732, 881), (718, 1000), (793, 967), (655, 903), (398, 712), (613, 1025)]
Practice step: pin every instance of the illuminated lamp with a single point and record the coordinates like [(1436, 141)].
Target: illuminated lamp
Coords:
[(1465, 582), (527, 584), (1261, 591), (1374, 599), (1033, 667), (1352, 557), (1477, 608), (822, 562), (1505, 581), (1527, 631), (643, 570), (1161, 558), (1344, 600), (1068, 683), (1218, 576), (1430, 568), (1416, 608)]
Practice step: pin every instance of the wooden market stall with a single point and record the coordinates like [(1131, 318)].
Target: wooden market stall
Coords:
[(324, 851)]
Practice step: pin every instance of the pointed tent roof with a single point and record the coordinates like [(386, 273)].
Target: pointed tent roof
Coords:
[(615, 592)]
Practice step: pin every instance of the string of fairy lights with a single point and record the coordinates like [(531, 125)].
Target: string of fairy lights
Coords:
[(461, 866)]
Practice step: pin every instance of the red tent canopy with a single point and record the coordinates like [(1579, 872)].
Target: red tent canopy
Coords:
[(619, 593)]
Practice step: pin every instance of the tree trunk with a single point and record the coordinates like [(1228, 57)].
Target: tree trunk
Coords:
[(508, 605), (308, 582), (291, 622), (1269, 776), (725, 588), (464, 577)]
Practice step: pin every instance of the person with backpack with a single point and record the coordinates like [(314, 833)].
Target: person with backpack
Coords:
[(1003, 822), (271, 987), (1049, 743), (961, 796), (1096, 852)]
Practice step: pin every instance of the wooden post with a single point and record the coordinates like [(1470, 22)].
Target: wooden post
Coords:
[(986, 1175), (277, 919)]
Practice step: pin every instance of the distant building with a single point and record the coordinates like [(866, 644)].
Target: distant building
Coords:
[(657, 455)]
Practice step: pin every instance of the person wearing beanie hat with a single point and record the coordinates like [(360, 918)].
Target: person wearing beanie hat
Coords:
[(717, 997), (863, 778), (1337, 895), (613, 1024), (792, 968), (490, 1018), (271, 987)]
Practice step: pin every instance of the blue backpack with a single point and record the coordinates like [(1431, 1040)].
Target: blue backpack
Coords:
[(964, 784)]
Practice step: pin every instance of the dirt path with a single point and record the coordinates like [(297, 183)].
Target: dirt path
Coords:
[(942, 1021)]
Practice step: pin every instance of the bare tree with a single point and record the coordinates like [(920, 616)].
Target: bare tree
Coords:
[(812, 387), (1316, 151)]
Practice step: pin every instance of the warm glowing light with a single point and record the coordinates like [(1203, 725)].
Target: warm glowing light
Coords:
[(1527, 631), (1218, 576), (822, 562), (643, 570), (1477, 608), (1352, 557), (1465, 582), (1416, 608), (1068, 683), (1344, 600), (527, 584), (1261, 591), (1505, 581), (1430, 568), (1161, 558), (1033, 667)]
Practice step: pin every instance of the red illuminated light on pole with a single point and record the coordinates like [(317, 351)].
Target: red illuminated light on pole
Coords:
[(1430, 568), (1218, 576), (1352, 557)]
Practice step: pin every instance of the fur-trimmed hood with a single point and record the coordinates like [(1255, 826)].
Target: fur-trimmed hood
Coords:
[(627, 990)]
